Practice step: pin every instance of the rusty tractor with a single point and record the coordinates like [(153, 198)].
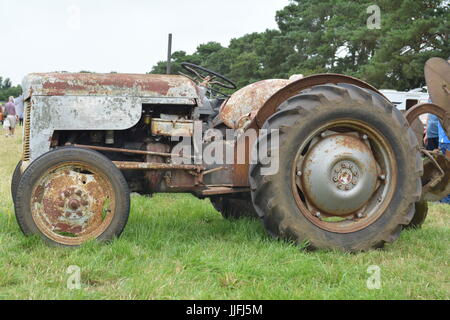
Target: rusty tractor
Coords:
[(325, 161)]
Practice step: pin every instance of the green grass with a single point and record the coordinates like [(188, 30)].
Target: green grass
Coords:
[(178, 247)]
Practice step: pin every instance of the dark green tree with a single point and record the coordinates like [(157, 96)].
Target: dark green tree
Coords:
[(333, 36)]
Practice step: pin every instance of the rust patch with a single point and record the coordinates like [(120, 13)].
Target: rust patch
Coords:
[(351, 142), (143, 85), (73, 203), (436, 177), (178, 128), (244, 104)]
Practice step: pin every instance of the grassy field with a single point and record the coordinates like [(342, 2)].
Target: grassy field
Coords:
[(177, 247)]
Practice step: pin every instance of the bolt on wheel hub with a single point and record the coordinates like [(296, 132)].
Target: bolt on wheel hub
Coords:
[(345, 175), (340, 174)]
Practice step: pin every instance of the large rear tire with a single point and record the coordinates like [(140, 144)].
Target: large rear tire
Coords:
[(420, 216), (70, 196), (348, 173)]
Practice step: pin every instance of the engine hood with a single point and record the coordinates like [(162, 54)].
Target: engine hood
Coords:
[(94, 84)]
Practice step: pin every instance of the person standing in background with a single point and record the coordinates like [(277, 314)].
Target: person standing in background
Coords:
[(432, 135), (11, 116), (19, 108), (444, 146), (1, 114)]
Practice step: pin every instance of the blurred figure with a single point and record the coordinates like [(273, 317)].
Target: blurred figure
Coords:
[(19, 108), (1, 114), (11, 116), (432, 134), (444, 146)]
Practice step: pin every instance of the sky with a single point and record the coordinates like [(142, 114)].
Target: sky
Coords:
[(127, 36)]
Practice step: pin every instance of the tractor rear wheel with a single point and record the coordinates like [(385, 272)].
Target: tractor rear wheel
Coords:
[(232, 208), (70, 196), (348, 170), (420, 215)]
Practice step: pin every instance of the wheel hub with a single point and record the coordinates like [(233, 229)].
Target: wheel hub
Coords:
[(72, 204), (345, 175), (340, 174)]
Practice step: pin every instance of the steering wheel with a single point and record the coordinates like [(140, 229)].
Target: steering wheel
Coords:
[(209, 78)]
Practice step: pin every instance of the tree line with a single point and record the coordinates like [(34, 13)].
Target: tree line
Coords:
[(7, 89), (335, 36)]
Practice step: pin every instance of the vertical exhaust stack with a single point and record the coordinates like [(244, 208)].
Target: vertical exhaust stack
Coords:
[(169, 56)]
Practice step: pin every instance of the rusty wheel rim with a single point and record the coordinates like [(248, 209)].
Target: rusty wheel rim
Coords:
[(73, 203), (340, 170)]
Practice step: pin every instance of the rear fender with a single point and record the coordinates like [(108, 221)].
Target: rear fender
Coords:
[(294, 88)]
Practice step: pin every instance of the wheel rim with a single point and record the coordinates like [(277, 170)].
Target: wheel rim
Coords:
[(73, 203), (344, 176)]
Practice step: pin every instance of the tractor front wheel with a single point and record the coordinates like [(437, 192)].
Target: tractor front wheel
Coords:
[(70, 196), (15, 180)]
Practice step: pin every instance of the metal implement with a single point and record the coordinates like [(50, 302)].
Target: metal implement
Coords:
[(437, 75), (427, 108), (436, 178)]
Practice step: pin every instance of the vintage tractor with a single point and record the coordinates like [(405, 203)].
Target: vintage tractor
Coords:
[(325, 160)]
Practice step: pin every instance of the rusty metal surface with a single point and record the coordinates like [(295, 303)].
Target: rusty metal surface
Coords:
[(168, 128), (51, 113), (26, 132), (73, 203), (415, 112), (296, 87), (153, 178), (437, 75), (181, 181), (141, 152), (211, 191), (436, 177), (418, 127), (244, 104), (126, 165), (94, 84), (70, 101)]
